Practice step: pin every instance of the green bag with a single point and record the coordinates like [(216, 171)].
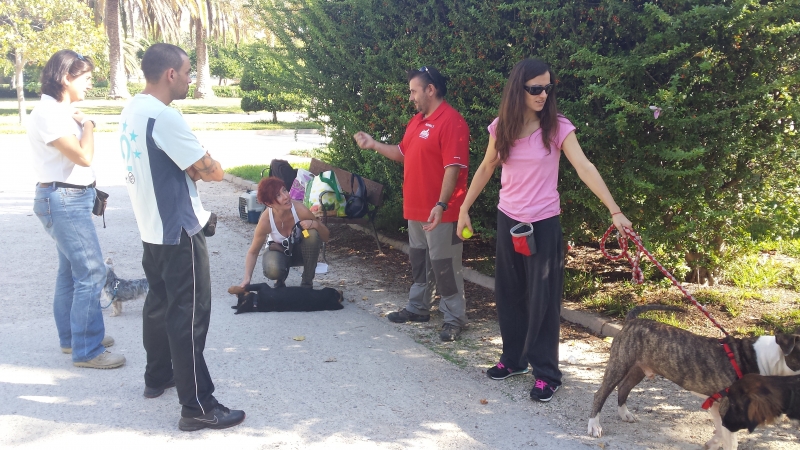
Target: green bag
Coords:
[(324, 195)]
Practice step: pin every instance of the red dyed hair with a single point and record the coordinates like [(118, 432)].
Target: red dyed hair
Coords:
[(268, 190)]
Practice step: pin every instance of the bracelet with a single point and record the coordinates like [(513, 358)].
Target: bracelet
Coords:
[(614, 214), (94, 125)]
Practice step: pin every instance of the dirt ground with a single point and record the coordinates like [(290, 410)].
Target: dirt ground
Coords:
[(659, 404)]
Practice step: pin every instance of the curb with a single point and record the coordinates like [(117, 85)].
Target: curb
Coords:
[(596, 323)]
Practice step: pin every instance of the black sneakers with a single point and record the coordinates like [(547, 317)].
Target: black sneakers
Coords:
[(449, 332), (405, 315), (153, 392), (218, 418), (543, 391), (501, 372)]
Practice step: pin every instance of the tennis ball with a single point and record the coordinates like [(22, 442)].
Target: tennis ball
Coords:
[(465, 233)]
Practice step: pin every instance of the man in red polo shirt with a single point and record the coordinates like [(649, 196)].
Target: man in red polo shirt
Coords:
[(434, 152)]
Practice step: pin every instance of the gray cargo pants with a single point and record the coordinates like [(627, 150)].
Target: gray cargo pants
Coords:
[(436, 268)]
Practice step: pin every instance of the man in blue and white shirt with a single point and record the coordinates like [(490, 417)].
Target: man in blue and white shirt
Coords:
[(163, 160)]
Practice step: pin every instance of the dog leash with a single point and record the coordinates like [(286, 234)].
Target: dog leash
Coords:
[(638, 278), (112, 296)]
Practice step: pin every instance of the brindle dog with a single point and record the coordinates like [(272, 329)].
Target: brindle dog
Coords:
[(645, 348), (756, 400)]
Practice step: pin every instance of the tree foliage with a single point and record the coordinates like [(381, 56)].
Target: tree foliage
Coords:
[(267, 83), (32, 30), (716, 166)]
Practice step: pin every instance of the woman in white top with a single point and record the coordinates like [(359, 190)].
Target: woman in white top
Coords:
[(277, 223), (62, 142)]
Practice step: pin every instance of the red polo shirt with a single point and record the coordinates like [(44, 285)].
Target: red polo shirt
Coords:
[(429, 145)]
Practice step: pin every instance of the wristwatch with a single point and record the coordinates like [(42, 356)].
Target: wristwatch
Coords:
[(443, 205)]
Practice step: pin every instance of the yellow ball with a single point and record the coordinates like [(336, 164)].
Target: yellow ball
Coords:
[(465, 233)]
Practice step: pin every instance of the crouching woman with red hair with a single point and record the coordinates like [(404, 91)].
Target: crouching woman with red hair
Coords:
[(275, 228)]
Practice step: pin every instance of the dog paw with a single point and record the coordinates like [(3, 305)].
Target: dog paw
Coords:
[(713, 444), (595, 430), (625, 415)]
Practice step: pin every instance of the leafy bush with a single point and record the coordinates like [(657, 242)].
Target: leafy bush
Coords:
[(263, 83), (724, 75), (135, 88)]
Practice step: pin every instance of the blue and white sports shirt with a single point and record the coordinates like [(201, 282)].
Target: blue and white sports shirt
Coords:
[(157, 146)]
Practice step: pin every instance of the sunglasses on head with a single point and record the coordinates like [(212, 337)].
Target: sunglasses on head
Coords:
[(80, 56), (536, 90)]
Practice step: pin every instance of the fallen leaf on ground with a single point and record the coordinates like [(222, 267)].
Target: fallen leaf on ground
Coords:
[(484, 401), (299, 338)]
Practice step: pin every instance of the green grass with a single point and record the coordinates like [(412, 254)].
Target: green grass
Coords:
[(755, 272), (753, 330), (13, 111), (578, 284), (253, 172), (783, 322), (664, 317), (728, 303), (608, 304), (6, 128)]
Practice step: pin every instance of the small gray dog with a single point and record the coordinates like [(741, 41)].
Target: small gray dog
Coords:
[(118, 290), (645, 348)]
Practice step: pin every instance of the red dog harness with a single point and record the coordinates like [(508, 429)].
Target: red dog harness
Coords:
[(638, 278), (723, 393)]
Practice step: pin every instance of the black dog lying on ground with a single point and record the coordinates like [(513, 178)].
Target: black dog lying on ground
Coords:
[(755, 400), (262, 298)]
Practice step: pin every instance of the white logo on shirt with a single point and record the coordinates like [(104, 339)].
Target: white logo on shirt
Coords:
[(424, 134), (429, 125)]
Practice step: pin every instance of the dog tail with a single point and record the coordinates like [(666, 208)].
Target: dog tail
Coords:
[(633, 313)]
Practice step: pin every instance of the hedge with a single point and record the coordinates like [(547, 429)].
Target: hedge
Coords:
[(716, 167)]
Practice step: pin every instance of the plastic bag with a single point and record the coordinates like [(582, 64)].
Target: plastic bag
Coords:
[(298, 190), (326, 188)]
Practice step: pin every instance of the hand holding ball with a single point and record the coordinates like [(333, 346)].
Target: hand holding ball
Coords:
[(465, 233)]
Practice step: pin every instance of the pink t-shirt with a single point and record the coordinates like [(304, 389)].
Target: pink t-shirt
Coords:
[(529, 177)]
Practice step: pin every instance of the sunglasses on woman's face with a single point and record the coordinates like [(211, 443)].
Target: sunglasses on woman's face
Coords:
[(536, 90)]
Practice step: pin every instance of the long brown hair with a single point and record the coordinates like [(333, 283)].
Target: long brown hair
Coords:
[(512, 107)]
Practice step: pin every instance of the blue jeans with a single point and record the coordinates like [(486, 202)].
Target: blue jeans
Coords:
[(67, 217)]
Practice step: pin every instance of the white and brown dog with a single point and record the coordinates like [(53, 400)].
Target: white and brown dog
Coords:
[(755, 400), (645, 348)]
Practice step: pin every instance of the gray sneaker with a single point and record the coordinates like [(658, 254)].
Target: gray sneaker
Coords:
[(105, 360), (450, 332), (107, 341)]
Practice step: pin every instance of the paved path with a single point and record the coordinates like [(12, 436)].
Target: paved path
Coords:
[(382, 391)]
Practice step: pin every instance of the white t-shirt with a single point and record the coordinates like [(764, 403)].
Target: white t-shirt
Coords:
[(51, 120), (157, 146)]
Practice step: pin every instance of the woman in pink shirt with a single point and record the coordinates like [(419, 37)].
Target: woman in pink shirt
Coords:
[(527, 140)]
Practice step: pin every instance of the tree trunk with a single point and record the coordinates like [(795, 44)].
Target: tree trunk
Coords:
[(274, 116), (202, 88), (19, 66), (117, 81)]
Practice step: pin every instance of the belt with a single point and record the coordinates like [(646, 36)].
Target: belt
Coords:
[(58, 184)]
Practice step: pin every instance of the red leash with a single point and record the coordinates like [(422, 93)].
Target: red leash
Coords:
[(638, 278)]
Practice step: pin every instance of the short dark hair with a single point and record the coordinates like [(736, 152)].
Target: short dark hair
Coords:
[(429, 75), (61, 64), (160, 57)]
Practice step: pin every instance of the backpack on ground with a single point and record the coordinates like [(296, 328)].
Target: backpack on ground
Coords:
[(357, 205), (281, 169)]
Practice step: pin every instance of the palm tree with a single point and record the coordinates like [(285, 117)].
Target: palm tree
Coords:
[(117, 80), (212, 18)]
